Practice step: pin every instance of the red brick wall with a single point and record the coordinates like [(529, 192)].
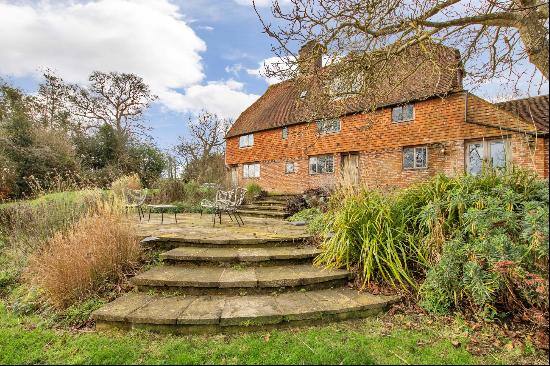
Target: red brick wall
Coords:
[(439, 124)]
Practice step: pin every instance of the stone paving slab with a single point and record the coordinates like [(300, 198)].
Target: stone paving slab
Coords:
[(296, 275), (204, 310), (164, 310), (240, 254), (245, 277), (119, 309), (209, 276), (239, 310), (192, 228), (250, 310)]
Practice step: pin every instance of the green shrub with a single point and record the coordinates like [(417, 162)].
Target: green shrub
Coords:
[(480, 242), (368, 232), (305, 215), (253, 191), (313, 217)]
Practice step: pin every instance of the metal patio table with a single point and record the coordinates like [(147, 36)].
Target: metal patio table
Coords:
[(162, 208)]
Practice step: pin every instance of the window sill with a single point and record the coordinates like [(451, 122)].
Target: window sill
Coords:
[(414, 169), (321, 173), (404, 121)]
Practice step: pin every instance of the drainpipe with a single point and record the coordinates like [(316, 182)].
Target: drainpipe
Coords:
[(466, 107)]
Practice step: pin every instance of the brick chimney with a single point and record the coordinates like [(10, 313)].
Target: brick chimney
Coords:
[(310, 57)]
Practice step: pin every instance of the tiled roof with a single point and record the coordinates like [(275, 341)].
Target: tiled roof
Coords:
[(534, 110), (408, 78)]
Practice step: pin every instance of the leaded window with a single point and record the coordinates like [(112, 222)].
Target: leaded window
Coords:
[(415, 157), (251, 170), (403, 113), (290, 167), (246, 140), (328, 126), (489, 153), (285, 133), (321, 164)]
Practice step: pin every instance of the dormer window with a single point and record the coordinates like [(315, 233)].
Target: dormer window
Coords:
[(328, 126), (346, 85), (403, 113), (246, 140)]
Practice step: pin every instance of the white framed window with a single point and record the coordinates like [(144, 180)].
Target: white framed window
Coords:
[(415, 157), (403, 113), (328, 126), (251, 170), (284, 133), (493, 153), (290, 167), (321, 164), (343, 86), (246, 140)]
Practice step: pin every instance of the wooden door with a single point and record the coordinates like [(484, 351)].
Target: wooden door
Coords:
[(350, 169), (235, 176)]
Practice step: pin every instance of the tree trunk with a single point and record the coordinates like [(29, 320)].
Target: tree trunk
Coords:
[(533, 33)]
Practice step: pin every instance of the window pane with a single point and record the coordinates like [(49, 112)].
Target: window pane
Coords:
[(245, 170), (242, 141), (329, 163), (475, 158), (257, 170), (408, 112), (421, 160), (313, 165), (408, 158), (285, 133), (498, 154), (289, 168), (397, 114), (250, 140)]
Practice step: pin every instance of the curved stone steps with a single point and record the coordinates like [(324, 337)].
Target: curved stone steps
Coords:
[(237, 279), (240, 255), (191, 314), (168, 242), (263, 213)]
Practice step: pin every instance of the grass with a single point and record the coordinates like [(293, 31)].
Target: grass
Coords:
[(384, 340)]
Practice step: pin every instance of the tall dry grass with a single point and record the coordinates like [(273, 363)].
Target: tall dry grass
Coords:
[(97, 252), (131, 182)]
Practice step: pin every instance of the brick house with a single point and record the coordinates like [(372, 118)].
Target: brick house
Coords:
[(431, 125)]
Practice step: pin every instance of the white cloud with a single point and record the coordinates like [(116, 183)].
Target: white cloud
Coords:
[(273, 63), (222, 97), (234, 69), (147, 37)]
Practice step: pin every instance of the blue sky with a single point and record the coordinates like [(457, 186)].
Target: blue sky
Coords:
[(195, 54)]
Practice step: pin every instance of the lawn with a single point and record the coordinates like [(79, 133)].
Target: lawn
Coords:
[(389, 339)]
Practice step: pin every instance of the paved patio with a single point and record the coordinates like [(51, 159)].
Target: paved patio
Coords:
[(193, 227)]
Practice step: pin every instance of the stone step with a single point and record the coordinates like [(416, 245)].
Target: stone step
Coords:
[(168, 242), (263, 213), (268, 202), (214, 280), (256, 206), (199, 314), (233, 255)]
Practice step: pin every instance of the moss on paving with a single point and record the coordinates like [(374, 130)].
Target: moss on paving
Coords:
[(24, 340)]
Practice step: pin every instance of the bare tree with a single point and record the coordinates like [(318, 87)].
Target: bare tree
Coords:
[(497, 38), (202, 150), (115, 99), (51, 103)]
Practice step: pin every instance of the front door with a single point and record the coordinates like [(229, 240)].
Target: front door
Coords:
[(350, 169), (235, 176)]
